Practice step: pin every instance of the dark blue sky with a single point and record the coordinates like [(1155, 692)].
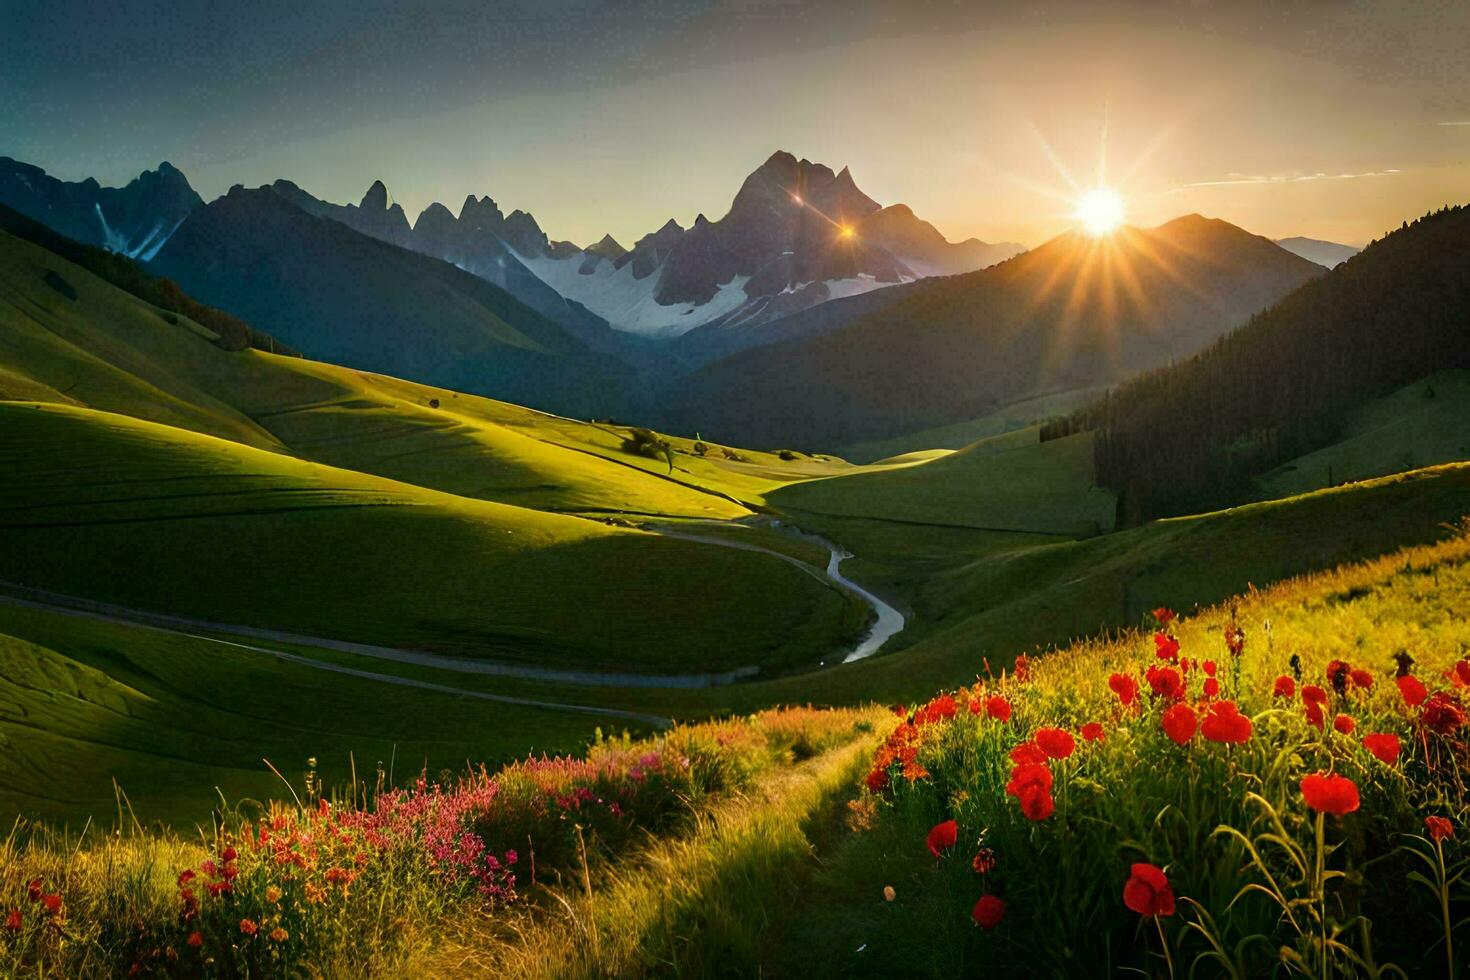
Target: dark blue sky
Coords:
[(614, 116)]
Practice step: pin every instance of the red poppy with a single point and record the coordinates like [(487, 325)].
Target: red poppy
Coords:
[(1165, 682), (1026, 776), (1028, 753), (1164, 615), (988, 911), (1344, 724), (984, 861), (899, 710), (1055, 742), (1212, 687), (1125, 687), (1234, 640), (1209, 667), (1362, 678), (1093, 732), (1439, 828), (1314, 715), (1412, 689), (186, 876), (976, 706), (1330, 793), (51, 903), (1179, 723), (195, 939), (942, 837), (1312, 694), (1036, 803), (1384, 746), (1338, 673), (33, 889), (1166, 647), (1285, 687), (1443, 714), (998, 708), (1147, 891), (1462, 673), (13, 921), (229, 853), (1224, 723), (877, 780)]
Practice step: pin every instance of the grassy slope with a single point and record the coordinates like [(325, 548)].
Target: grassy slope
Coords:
[(197, 526), (1009, 482), (1420, 424)]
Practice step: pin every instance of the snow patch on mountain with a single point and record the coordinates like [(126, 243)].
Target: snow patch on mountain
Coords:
[(628, 302)]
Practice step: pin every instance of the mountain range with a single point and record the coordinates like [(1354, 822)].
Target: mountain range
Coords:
[(1315, 250)]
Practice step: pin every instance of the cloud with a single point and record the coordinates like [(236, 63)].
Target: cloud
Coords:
[(1457, 122), (1233, 179)]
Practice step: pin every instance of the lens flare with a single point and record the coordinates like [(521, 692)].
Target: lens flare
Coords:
[(1100, 211)]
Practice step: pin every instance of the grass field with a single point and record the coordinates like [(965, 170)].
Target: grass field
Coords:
[(187, 524)]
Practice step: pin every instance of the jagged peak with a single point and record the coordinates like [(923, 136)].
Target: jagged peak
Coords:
[(376, 198)]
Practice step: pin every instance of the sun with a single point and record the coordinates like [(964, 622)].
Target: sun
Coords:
[(1100, 211)]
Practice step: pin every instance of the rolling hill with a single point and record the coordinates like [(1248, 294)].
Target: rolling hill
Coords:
[(1075, 312)]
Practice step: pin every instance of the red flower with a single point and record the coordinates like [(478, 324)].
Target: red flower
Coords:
[(186, 876), (1362, 678), (1212, 687), (229, 853), (984, 861), (1210, 667), (1093, 732), (195, 939), (1179, 723), (1165, 682), (1344, 724), (1225, 723), (33, 889), (1314, 715), (1164, 615), (976, 706), (1147, 891), (877, 780), (942, 837), (1384, 746), (1442, 714), (1235, 639), (1125, 687), (1055, 742), (998, 708), (13, 921), (249, 926), (1036, 803), (988, 911), (1028, 753), (1330, 793), (51, 903), (1439, 829), (1030, 775), (1166, 647), (899, 710), (1338, 673), (1462, 674), (1285, 687), (1412, 689), (1312, 694)]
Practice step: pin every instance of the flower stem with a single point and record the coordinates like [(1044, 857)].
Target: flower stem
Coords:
[(1164, 942), (1444, 908)]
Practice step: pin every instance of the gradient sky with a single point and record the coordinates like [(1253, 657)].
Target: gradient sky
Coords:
[(1333, 120)]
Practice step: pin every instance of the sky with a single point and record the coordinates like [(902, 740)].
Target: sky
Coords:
[(1328, 119)]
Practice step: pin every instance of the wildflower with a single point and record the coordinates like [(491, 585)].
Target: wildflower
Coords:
[(1212, 687), (1330, 793), (280, 935), (1314, 715), (1461, 674), (1234, 640), (1147, 891), (1338, 673), (1224, 723), (976, 706), (1036, 803), (1023, 668), (1028, 753), (877, 780), (888, 893), (14, 921), (196, 939), (1029, 775), (1312, 694), (1344, 725), (1209, 667), (1179, 723), (1125, 687), (1442, 714), (273, 894), (1093, 732), (998, 708), (1166, 647), (1055, 742), (1362, 678), (1384, 746), (899, 710), (186, 876), (984, 861), (51, 903), (1412, 689), (33, 889), (942, 837), (1165, 682), (229, 853), (1285, 687), (249, 926), (1439, 828), (1164, 615), (988, 912)]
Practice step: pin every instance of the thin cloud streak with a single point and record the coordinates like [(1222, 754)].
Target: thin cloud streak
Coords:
[(1298, 179)]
